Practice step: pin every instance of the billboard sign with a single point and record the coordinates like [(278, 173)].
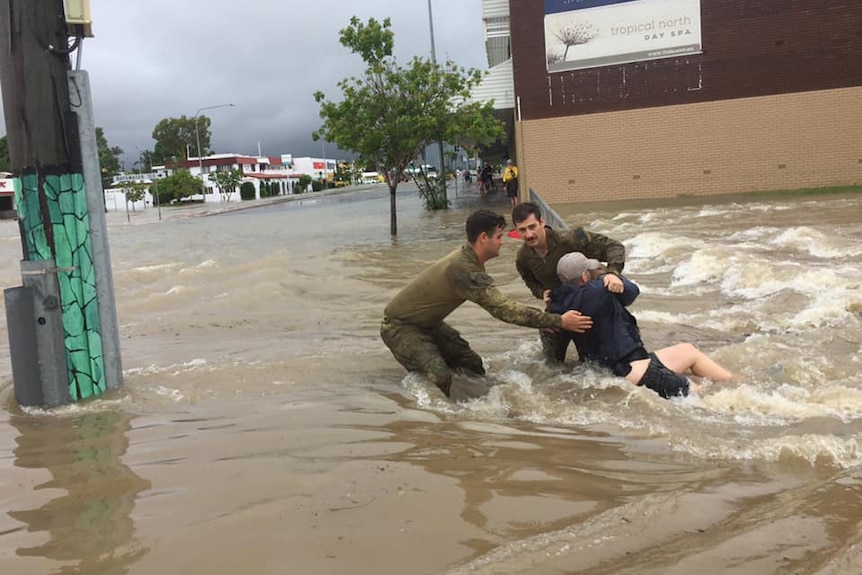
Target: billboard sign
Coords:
[(591, 33)]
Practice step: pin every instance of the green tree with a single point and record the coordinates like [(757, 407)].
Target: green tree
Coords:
[(147, 160), (175, 137), (391, 113), (135, 192), (303, 183), (109, 157), (178, 186), (227, 182), (5, 162), (246, 191)]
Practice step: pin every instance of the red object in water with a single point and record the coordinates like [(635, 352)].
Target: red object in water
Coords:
[(514, 234)]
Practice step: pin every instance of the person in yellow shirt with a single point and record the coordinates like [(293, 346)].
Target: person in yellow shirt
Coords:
[(510, 182)]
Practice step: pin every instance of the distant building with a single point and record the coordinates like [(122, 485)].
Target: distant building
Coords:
[(317, 168), (7, 196), (256, 169)]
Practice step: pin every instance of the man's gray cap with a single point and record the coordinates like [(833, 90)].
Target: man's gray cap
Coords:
[(572, 265)]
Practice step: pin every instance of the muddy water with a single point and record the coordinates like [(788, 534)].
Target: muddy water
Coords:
[(264, 428)]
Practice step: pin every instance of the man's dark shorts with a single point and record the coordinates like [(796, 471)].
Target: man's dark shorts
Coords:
[(664, 381), (512, 189)]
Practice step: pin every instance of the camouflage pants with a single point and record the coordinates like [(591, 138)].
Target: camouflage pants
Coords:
[(554, 345), (432, 351)]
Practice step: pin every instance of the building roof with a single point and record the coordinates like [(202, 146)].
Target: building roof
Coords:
[(260, 176)]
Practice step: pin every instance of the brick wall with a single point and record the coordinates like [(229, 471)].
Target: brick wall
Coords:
[(784, 141), (750, 48)]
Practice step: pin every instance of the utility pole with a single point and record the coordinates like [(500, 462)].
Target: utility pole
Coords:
[(441, 174), (62, 324)]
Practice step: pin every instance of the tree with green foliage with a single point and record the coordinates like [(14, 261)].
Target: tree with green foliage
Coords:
[(5, 162), (135, 192), (177, 186), (391, 113), (246, 191), (147, 160), (175, 137), (227, 181), (109, 157), (303, 183)]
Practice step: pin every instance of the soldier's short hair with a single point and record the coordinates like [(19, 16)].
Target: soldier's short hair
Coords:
[(524, 211), (483, 221)]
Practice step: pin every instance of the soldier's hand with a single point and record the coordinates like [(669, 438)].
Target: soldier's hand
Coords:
[(546, 296), (613, 283), (574, 321)]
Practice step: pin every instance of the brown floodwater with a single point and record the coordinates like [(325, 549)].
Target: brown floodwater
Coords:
[(264, 427)]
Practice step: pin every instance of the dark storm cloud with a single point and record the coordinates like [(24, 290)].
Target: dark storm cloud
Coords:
[(166, 58)]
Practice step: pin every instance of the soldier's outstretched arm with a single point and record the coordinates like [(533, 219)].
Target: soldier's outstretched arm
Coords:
[(574, 321), (510, 311)]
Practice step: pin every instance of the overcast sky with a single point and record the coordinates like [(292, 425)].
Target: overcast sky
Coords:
[(154, 59)]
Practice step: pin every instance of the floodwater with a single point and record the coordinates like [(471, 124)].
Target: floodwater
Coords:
[(264, 428)]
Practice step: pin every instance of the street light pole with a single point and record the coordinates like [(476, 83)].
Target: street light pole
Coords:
[(156, 184), (198, 138), (441, 175), (325, 175)]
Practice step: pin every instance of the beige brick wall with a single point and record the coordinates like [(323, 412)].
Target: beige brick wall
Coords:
[(808, 139)]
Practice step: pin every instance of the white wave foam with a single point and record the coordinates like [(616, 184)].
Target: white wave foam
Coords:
[(656, 244), (843, 452), (95, 405), (707, 265), (176, 290), (786, 404), (816, 243), (156, 268)]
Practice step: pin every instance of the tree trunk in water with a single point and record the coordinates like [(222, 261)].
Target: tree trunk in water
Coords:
[(393, 217)]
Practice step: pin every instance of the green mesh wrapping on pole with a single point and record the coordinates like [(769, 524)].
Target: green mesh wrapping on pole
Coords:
[(60, 202)]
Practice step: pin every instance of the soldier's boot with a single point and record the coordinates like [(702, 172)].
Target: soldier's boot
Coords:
[(440, 375), (472, 363)]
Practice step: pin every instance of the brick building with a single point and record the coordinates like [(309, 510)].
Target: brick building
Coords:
[(758, 95)]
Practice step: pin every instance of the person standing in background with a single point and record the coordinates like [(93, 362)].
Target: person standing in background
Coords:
[(510, 182)]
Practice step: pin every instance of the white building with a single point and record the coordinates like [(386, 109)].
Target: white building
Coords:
[(499, 84), (7, 196), (277, 170), (315, 167), (281, 172)]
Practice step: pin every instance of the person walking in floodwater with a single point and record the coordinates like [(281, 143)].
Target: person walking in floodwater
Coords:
[(486, 179), (510, 182), (413, 327), (614, 342)]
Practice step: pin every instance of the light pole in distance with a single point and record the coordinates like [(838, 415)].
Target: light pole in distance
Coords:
[(441, 174), (198, 138)]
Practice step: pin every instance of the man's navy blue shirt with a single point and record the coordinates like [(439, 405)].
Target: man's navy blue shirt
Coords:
[(615, 332)]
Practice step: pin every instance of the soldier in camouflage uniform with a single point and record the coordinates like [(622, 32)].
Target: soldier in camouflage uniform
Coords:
[(537, 259), (413, 326)]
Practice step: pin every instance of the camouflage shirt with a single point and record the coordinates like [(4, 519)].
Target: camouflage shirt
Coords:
[(540, 273), (452, 280)]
